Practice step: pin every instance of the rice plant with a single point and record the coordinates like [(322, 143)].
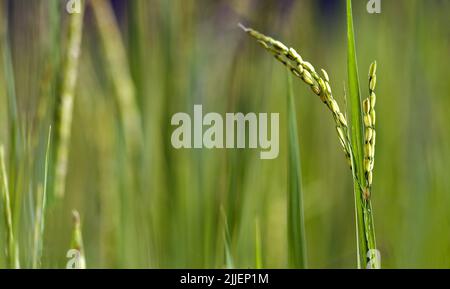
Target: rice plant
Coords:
[(350, 138), (39, 223), (70, 72)]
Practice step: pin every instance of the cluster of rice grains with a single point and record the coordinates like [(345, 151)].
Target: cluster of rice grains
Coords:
[(369, 129), (320, 85)]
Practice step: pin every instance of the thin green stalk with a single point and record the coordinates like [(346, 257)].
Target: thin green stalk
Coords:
[(39, 224), (229, 262), (12, 249), (120, 74), (16, 149), (70, 74), (49, 82), (130, 121), (13, 118), (37, 236), (136, 37), (296, 226), (258, 246), (363, 208)]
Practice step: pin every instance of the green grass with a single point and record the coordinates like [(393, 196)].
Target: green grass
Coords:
[(296, 223), (66, 100), (150, 205), (229, 260), (12, 246), (258, 246), (41, 204)]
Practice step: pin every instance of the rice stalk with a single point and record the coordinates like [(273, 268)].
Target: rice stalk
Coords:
[(350, 140), (373, 261), (369, 130), (320, 85), (12, 247), (37, 237), (229, 263), (77, 241), (258, 246), (356, 134), (70, 74), (15, 131), (50, 80), (39, 224), (366, 244), (120, 74)]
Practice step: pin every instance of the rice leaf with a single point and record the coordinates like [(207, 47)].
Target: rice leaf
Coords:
[(363, 209), (70, 74), (258, 249), (12, 249), (40, 209), (296, 227), (229, 262)]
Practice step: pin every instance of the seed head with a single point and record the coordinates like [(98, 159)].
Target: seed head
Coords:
[(369, 129), (366, 106), (309, 66), (325, 75), (307, 78), (305, 70), (373, 82), (372, 116), (373, 99), (373, 69), (294, 55)]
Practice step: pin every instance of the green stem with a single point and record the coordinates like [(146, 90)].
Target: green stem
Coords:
[(12, 249), (67, 99)]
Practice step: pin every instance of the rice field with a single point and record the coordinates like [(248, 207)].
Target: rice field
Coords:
[(88, 167)]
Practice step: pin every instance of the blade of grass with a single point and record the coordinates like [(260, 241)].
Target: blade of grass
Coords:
[(12, 248), (125, 92), (116, 56), (48, 88), (37, 237), (296, 226), (229, 262), (70, 75), (135, 51), (13, 118), (363, 209), (40, 210), (16, 150), (258, 249)]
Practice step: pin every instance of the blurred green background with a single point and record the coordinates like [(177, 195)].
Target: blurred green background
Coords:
[(166, 208)]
